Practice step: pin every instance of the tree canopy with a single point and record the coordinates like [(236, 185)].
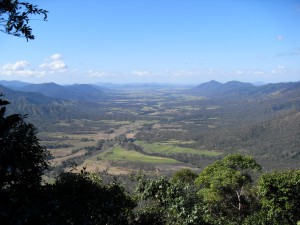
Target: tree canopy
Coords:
[(22, 158), (280, 196), (225, 187), (15, 17)]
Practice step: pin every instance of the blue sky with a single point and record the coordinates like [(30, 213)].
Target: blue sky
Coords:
[(162, 41)]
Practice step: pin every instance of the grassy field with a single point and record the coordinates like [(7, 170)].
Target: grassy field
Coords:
[(176, 142), (118, 154), (169, 149)]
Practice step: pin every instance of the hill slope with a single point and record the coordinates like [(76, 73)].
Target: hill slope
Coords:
[(82, 92), (14, 84)]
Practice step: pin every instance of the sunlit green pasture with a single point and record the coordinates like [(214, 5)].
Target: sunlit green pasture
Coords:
[(170, 149), (175, 142)]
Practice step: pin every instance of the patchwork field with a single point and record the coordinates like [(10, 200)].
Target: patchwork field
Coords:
[(98, 145)]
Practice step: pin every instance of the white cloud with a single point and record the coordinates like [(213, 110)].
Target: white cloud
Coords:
[(20, 65), (23, 73), (20, 68), (56, 57), (54, 64)]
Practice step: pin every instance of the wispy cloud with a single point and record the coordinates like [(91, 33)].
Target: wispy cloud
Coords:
[(274, 74), (280, 70), (98, 74), (249, 72), (175, 74), (192, 73), (184, 73), (277, 70), (294, 52), (141, 73)]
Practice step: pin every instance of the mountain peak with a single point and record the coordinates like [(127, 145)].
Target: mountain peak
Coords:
[(210, 84)]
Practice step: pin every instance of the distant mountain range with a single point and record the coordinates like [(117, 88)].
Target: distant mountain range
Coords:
[(83, 92), (231, 89), (30, 97), (14, 84), (211, 89)]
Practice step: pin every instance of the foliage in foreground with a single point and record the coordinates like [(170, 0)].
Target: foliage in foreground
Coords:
[(83, 199), (225, 187), (167, 202), (15, 17), (280, 196)]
